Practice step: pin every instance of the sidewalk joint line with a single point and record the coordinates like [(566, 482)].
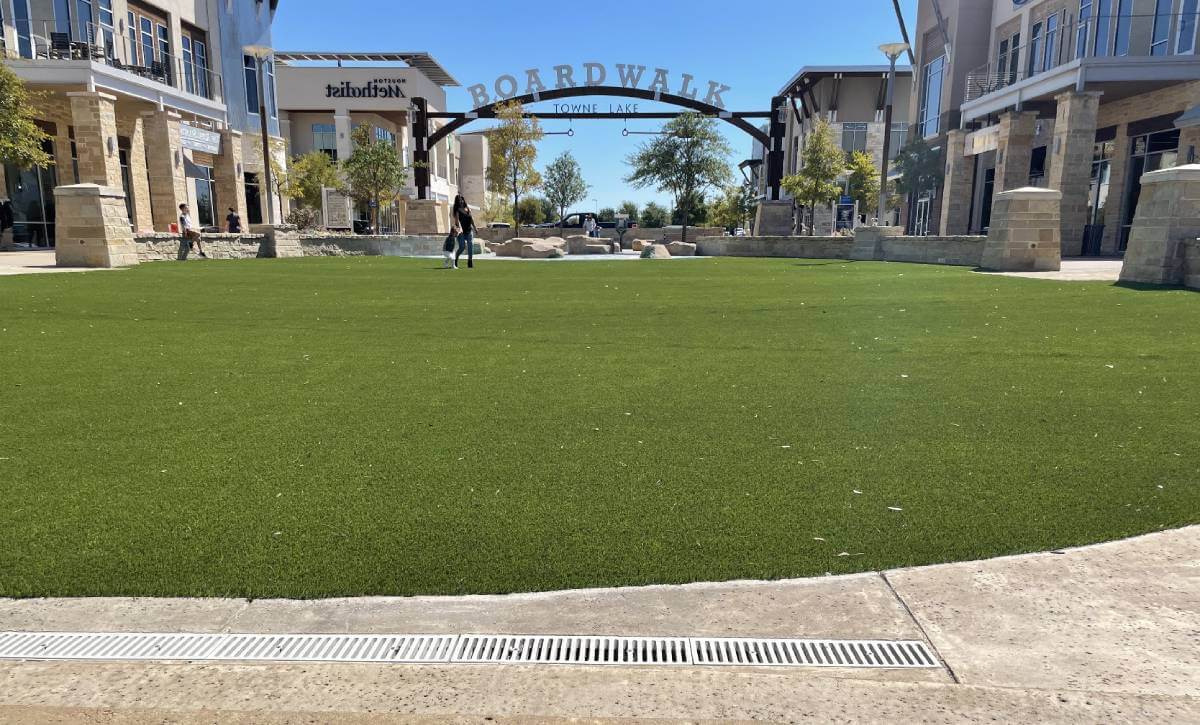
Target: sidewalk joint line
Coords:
[(928, 640)]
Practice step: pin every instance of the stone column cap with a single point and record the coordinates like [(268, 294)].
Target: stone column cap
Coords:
[(89, 190), (1073, 92), (1030, 192), (91, 94), (1187, 172)]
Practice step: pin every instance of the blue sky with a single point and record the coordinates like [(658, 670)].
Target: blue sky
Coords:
[(754, 48)]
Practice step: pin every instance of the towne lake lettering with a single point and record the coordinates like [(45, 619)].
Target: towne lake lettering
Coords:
[(658, 81)]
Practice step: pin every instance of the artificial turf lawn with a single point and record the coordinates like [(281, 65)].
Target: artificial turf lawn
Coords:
[(325, 427)]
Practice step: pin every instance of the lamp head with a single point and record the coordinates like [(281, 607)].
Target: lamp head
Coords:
[(258, 51), (893, 50)]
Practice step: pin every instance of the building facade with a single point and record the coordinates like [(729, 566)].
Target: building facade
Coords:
[(851, 99), (1081, 96), (147, 97), (324, 96)]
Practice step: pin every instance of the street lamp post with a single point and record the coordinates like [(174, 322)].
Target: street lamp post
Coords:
[(892, 51), (262, 53)]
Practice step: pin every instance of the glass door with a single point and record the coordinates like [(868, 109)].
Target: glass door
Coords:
[(32, 195), (1150, 152)]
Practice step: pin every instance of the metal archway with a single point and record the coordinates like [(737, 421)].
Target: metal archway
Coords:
[(772, 140)]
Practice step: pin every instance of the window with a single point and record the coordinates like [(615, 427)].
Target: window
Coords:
[(854, 138), (24, 28), (189, 62), (147, 35), (1160, 37), (1084, 28), (62, 16), (1014, 62), (1124, 18), (253, 200), (1037, 167), (200, 55), (1051, 55), (325, 139), (1035, 49), (83, 20), (74, 154), (382, 134), (1187, 27), (131, 24), (931, 97), (1103, 23), (269, 70), (899, 139), (107, 31), (250, 71), (164, 43)]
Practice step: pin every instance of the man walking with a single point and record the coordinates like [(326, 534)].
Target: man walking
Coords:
[(191, 235)]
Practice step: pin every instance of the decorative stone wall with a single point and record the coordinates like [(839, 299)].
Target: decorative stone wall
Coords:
[(868, 241), (670, 234), (375, 246), (1166, 224), (156, 247), (1191, 264), (957, 250), (1024, 234), (92, 227), (279, 241), (800, 247)]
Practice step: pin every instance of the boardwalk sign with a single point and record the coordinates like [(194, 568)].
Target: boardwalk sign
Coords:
[(658, 81)]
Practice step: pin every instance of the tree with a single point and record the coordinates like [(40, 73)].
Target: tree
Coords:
[(564, 185), (21, 138), (549, 213), (822, 162), (919, 167), (629, 208), (688, 158), (514, 149), (653, 216), (529, 211), (734, 207), (607, 214), (697, 210), (308, 174), (374, 172), (863, 184), (495, 208)]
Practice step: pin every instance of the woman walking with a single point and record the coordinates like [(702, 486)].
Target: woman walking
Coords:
[(465, 224)]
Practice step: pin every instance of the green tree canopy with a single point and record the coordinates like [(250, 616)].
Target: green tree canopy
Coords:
[(653, 216), (513, 145), (564, 185), (919, 167), (374, 173), (734, 207), (606, 214), (308, 174), (863, 184), (696, 206), (688, 158), (822, 162), (630, 208), (21, 138), (529, 211)]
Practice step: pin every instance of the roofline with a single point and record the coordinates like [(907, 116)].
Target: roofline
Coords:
[(417, 59), (825, 71)]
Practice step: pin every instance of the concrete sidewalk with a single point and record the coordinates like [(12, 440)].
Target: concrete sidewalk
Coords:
[(36, 261), (1102, 633)]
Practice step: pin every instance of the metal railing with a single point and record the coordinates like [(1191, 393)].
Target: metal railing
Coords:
[(51, 40), (1123, 35)]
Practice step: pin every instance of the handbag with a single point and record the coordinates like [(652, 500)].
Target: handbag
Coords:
[(448, 245)]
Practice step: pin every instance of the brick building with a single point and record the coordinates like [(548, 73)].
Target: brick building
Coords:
[(1081, 96)]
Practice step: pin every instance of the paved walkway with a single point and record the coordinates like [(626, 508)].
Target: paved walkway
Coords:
[(1076, 270), (33, 262), (1103, 633)]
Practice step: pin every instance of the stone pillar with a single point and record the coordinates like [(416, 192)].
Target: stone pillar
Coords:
[(425, 216), (342, 129), (1168, 215), (139, 181), (956, 191), (868, 241), (63, 171), (278, 240), (92, 227), (164, 164), (94, 116), (1024, 235), (1071, 163), (230, 181), (1014, 151), (773, 219)]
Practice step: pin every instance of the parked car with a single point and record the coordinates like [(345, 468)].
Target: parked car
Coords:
[(500, 225), (739, 232)]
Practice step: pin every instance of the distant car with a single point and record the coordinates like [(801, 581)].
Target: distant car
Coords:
[(739, 232), (499, 225)]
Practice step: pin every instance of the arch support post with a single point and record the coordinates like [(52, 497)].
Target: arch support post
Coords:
[(421, 147), (776, 133)]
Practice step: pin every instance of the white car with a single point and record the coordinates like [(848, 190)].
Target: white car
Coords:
[(739, 232)]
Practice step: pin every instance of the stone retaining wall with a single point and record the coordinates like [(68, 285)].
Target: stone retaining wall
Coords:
[(653, 233), (325, 245), (964, 250), (162, 246), (1191, 264), (801, 247)]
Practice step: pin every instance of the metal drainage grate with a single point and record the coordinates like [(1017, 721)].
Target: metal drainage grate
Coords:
[(466, 649), (810, 653)]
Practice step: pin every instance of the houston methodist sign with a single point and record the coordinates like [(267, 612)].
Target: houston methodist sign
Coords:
[(596, 74)]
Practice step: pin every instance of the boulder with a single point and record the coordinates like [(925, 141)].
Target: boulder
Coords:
[(511, 248), (655, 251), (640, 244), (682, 249), (616, 247), (597, 249), (578, 243), (540, 249)]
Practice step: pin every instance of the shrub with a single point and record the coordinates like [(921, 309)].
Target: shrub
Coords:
[(304, 218)]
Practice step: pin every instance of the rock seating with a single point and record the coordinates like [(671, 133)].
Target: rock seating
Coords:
[(529, 248), (597, 249), (640, 244), (578, 244), (541, 250), (682, 249), (655, 251)]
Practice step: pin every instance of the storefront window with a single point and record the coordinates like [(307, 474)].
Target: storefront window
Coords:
[(931, 96), (32, 195), (325, 139), (253, 200)]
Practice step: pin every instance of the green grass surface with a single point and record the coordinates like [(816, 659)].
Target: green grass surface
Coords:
[(326, 427)]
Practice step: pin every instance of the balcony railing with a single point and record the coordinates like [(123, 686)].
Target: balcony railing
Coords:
[(1124, 35), (50, 40)]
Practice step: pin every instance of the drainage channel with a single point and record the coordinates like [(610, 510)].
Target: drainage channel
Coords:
[(467, 649)]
